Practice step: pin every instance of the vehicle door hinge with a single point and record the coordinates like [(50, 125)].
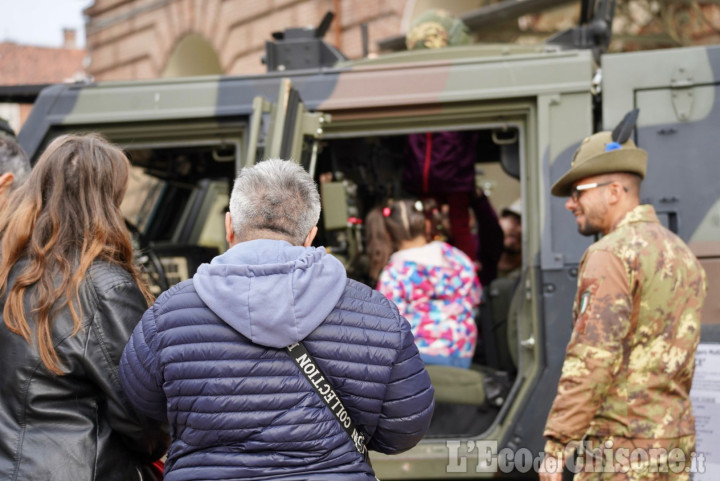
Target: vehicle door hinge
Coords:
[(682, 93)]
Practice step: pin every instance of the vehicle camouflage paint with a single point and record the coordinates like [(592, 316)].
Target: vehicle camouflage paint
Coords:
[(534, 103)]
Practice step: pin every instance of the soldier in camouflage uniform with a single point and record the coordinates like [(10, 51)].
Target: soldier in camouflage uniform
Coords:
[(623, 398)]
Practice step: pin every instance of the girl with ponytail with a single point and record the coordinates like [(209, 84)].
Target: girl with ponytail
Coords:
[(433, 284)]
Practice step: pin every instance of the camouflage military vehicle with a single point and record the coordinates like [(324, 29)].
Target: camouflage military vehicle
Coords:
[(531, 106)]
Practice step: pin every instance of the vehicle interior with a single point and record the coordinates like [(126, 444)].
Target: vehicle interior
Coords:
[(179, 193), (175, 207), (366, 172)]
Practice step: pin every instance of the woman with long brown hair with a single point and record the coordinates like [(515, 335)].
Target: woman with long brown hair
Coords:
[(71, 297)]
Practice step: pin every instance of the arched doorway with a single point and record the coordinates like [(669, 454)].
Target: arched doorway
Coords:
[(193, 55)]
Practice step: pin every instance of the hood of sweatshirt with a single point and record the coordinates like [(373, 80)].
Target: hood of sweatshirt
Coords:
[(270, 291)]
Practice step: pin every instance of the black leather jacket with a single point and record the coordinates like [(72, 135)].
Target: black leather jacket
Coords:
[(79, 426)]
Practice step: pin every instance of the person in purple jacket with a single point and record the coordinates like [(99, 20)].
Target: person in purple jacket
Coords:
[(209, 356), (441, 165)]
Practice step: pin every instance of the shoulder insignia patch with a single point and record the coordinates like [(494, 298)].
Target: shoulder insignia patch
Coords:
[(584, 301)]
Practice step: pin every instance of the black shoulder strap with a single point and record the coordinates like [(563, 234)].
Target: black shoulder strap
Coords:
[(322, 387)]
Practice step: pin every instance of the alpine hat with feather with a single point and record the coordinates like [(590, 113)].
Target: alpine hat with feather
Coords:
[(604, 153)]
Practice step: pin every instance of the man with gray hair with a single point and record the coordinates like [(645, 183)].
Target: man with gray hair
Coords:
[(14, 164), (274, 200), (270, 363)]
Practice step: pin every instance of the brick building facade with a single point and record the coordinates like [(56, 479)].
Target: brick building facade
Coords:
[(137, 39), (140, 39)]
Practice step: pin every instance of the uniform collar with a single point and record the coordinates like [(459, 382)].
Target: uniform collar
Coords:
[(641, 213)]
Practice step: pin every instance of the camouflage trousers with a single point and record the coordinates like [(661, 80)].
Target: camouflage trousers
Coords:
[(622, 459)]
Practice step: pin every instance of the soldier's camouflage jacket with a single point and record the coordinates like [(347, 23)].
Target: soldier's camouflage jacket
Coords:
[(630, 361)]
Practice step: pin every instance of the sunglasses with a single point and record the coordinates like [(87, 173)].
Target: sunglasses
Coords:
[(577, 191)]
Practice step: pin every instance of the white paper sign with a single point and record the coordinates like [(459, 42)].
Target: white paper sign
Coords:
[(705, 397)]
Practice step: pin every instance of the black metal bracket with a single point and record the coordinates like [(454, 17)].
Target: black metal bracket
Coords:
[(301, 48), (595, 28)]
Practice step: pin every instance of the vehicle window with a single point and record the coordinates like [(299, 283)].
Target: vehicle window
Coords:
[(141, 197), (212, 232)]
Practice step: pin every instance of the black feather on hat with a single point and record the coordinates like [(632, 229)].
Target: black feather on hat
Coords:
[(622, 131)]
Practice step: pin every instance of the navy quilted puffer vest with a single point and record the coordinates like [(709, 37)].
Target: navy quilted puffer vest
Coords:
[(209, 358)]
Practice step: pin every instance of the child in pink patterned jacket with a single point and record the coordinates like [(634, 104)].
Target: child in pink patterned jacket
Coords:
[(434, 284)]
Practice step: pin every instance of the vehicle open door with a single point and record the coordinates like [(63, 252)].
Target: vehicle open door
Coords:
[(285, 129)]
